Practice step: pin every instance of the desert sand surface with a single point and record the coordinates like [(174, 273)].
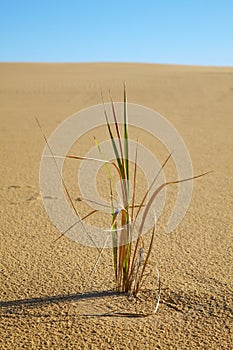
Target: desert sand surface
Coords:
[(41, 281)]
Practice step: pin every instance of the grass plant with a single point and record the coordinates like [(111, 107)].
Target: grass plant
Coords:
[(130, 258)]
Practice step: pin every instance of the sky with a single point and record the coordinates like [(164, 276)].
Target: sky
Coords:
[(192, 32)]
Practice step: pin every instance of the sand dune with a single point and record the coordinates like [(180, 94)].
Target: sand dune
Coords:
[(41, 307)]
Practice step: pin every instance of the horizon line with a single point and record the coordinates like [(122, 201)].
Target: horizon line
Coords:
[(116, 62)]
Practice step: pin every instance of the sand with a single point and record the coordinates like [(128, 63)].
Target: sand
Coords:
[(41, 281)]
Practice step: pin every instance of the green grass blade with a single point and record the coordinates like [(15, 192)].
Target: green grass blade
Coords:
[(113, 140), (115, 148), (134, 183), (114, 235), (126, 145), (118, 135)]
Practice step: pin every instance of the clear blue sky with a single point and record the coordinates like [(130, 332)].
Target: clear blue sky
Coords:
[(196, 32)]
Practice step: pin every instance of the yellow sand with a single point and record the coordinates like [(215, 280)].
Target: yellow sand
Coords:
[(40, 280)]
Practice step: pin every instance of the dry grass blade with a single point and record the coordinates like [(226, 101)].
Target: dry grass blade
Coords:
[(133, 286), (74, 224), (52, 155), (145, 262), (154, 195), (152, 184), (105, 162), (64, 184), (139, 209)]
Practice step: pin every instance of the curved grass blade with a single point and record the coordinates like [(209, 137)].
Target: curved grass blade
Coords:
[(154, 195), (138, 211), (152, 184), (148, 206)]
